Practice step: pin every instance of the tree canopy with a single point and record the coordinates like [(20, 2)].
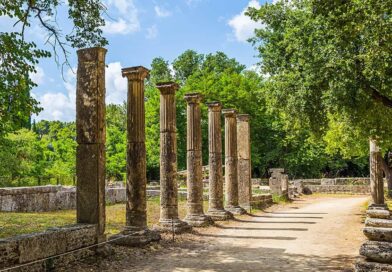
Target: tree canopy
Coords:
[(18, 56), (329, 58)]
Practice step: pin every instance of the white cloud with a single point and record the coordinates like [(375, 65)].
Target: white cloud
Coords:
[(38, 76), (162, 12), (152, 32), (243, 27), (128, 17), (116, 85), (62, 105)]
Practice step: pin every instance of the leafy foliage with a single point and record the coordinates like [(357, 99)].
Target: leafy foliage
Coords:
[(18, 57)]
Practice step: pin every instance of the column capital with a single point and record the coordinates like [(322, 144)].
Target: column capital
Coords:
[(167, 87), (193, 98), (91, 54), (227, 113), (136, 73), (243, 117), (214, 106)]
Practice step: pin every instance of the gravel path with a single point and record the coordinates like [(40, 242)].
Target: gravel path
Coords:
[(310, 234)]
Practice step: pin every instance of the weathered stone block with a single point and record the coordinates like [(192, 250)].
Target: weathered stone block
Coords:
[(9, 254), (377, 251), (378, 234), (365, 266), (379, 223), (378, 213), (90, 170), (90, 96)]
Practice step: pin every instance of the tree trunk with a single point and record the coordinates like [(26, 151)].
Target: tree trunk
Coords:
[(387, 169)]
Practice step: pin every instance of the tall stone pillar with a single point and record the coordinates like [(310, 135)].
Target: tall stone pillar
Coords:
[(215, 205), (90, 137), (136, 232), (231, 162), (168, 161), (195, 215), (244, 165), (376, 174)]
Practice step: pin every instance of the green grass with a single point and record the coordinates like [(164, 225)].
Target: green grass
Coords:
[(12, 224), (280, 199)]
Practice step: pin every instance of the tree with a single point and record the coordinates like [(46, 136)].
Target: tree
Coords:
[(330, 58), (19, 57)]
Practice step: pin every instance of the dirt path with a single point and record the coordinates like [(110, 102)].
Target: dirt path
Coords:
[(311, 234)]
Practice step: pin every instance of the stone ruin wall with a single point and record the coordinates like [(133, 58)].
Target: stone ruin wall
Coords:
[(57, 197), (48, 198), (333, 186), (24, 249)]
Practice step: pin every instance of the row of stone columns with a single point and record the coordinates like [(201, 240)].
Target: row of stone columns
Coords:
[(90, 106)]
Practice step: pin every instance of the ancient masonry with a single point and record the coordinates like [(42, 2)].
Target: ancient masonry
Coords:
[(195, 215), (377, 252), (231, 162), (168, 161), (216, 202), (136, 232), (59, 244), (244, 165), (91, 136)]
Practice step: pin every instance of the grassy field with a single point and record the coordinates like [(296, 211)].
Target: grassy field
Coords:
[(19, 223)]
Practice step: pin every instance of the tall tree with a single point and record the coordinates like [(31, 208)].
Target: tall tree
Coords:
[(19, 57)]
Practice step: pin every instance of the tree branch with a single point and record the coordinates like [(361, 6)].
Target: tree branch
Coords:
[(378, 96)]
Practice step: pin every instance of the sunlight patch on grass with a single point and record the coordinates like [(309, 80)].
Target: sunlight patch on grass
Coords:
[(12, 224)]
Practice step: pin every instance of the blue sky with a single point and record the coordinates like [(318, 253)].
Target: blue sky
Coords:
[(138, 31)]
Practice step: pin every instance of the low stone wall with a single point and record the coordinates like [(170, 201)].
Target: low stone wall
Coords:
[(340, 189), (51, 198), (28, 248), (333, 181), (261, 201), (48, 198), (332, 186)]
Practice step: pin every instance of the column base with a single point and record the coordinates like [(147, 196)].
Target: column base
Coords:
[(198, 220), (134, 238), (176, 225), (220, 215), (236, 210), (246, 207)]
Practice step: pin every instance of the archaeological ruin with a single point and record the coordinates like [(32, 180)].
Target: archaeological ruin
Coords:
[(229, 188)]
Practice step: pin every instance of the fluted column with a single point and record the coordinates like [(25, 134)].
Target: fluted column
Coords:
[(231, 162), (215, 200), (90, 137), (195, 214), (168, 160), (136, 232), (244, 164), (136, 214), (376, 174)]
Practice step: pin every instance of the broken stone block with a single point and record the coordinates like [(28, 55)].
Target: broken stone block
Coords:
[(364, 266), (378, 234), (378, 223), (377, 251), (378, 213)]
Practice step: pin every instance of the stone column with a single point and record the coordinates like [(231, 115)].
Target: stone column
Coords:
[(168, 161), (195, 215), (244, 166), (231, 162), (376, 174), (215, 205), (136, 232), (275, 181), (90, 137)]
